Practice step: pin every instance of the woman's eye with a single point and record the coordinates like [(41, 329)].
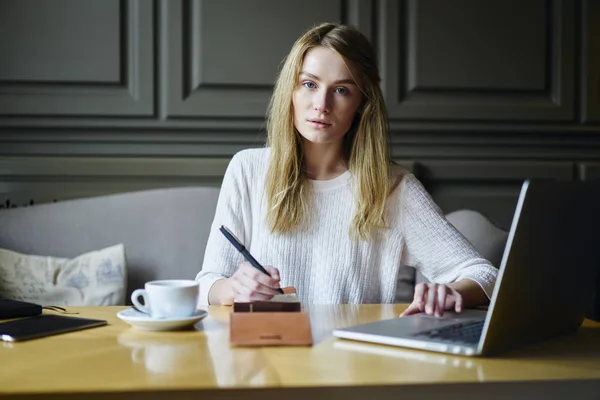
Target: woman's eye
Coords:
[(341, 90), (309, 85)]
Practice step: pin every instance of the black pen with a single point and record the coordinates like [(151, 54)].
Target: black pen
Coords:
[(242, 249)]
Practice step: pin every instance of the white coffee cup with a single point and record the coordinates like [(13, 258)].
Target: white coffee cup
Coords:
[(170, 298)]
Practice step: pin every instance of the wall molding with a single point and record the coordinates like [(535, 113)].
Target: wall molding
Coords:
[(35, 180), (233, 77), (408, 100), (590, 65), (131, 96), (410, 142), (67, 167), (588, 170), (479, 184), (258, 123)]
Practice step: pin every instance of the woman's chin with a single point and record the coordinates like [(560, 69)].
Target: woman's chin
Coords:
[(321, 138)]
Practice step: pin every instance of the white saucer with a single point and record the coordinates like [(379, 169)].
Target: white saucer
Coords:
[(139, 320)]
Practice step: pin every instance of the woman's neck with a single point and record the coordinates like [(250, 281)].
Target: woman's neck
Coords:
[(323, 161)]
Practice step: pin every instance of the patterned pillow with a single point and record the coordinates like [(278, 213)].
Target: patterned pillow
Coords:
[(96, 278)]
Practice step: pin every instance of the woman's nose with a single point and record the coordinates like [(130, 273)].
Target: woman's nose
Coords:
[(322, 103)]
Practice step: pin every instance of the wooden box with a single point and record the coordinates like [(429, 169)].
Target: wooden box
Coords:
[(269, 323)]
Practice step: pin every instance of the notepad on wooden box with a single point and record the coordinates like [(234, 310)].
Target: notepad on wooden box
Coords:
[(277, 322), (280, 302)]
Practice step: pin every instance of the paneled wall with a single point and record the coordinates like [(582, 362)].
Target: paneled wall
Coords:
[(72, 58), (116, 95), (474, 60)]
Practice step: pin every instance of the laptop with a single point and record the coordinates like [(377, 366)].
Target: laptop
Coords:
[(544, 287)]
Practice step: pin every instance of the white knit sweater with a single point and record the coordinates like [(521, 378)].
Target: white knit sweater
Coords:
[(323, 262)]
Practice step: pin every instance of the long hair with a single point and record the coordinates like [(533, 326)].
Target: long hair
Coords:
[(366, 145)]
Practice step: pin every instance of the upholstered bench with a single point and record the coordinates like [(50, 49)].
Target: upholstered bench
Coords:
[(164, 232)]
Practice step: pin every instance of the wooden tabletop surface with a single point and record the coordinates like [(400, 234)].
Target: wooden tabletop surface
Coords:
[(117, 359)]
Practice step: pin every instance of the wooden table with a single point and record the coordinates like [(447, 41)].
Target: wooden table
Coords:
[(118, 362)]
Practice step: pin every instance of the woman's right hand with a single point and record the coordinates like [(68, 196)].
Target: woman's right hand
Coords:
[(249, 284)]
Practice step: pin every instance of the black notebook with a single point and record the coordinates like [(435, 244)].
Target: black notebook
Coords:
[(44, 325), (10, 308)]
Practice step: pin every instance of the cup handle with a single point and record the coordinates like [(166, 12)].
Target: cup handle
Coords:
[(135, 300)]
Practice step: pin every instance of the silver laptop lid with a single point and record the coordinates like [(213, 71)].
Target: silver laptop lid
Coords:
[(548, 270)]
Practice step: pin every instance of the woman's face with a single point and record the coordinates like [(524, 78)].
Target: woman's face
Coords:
[(326, 97)]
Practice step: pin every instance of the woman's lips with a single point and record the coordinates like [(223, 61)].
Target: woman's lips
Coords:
[(319, 124)]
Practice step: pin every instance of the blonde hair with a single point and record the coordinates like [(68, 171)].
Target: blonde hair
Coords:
[(366, 145)]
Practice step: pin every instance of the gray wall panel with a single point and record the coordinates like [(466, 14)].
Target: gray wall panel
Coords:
[(591, 65), (465, 44), (49, 41), (468, 60), (77, 58), (220, 63), (233, 45)]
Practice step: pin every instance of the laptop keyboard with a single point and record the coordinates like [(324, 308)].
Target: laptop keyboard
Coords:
[(467, 333)]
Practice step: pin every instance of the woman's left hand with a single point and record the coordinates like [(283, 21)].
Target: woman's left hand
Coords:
[(434, 299)]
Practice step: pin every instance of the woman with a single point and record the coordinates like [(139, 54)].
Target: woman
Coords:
[(324, 208)]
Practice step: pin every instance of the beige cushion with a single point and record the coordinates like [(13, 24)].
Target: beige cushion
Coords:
[(488, 239), (96, 278)]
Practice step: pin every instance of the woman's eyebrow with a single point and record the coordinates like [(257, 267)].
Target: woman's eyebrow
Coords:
[(347, 81)]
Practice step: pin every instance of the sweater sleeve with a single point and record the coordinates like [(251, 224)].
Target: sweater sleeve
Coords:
[(221, 259), (434, 246)]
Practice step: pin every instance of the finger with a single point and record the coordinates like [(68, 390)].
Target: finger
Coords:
[(413, 308), (458, 302), (254, 286), (441, 300), (247, 269), (250, 299), (245, 294), (245, 289), (418, 303), (431, 293), (274, 272), (419, 296)]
